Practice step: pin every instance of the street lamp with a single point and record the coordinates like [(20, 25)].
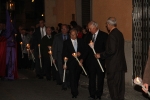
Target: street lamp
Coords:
[(10, 6)]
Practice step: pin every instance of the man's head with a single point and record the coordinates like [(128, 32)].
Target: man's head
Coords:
[(64, 29), (111, 23), (48, 30), (93, 27), (73, 34), (41, 22)]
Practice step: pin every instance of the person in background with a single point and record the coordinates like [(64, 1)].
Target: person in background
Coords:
[(53, 31), (74, 24)]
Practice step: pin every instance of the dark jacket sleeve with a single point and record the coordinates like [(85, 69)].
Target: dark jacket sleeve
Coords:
[(111, 45)]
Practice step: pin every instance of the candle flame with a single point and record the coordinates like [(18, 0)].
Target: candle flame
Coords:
[(39, 45), (91, 41), (15, 35), (65, 58), (138, 80), (28, 45), (21, 43), (50, 52)]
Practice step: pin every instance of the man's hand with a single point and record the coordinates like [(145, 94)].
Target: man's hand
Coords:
[(146, 86), (81, 61), (97, 56), (64, 67), (54, 61), (78, 54)]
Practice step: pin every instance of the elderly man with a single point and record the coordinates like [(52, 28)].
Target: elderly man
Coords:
[(99, 39), (46, 41), (57, 48), (115, 61), (73, 45)]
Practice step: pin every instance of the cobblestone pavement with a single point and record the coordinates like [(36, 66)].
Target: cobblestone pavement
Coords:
[(131, 93), (28, 87)]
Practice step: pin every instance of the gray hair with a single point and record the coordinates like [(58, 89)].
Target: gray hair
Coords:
[(94, 24), (112, 21)]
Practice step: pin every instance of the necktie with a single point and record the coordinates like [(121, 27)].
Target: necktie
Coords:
[(75, 45), (93, 38), (42, 33), (65, 37)]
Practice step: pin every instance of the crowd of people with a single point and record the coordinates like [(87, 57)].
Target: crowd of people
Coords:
[(45, 50)]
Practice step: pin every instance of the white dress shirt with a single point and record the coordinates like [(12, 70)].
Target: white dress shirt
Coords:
[(95, 35), (44, 31), (75, 44)]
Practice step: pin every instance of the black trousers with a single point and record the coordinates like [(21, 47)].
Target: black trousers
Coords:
[(47, 67), (96, 79), (116, 85), (74, 71)]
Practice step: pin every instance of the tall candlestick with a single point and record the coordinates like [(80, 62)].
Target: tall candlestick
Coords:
[(65, 60), (40, 56), (91, 44), (33, 58), (52, 59), (22, 49), (75, 55)]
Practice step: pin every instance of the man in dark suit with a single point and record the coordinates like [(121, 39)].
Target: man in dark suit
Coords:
[(115, 61), (39, 33), (57, 48), (99, 38), (73, 45), (46, 41)]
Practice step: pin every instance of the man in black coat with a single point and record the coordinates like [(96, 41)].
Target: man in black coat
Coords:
[(115, 61), (73, 45), (46, 41), (57, 49), (95, 73), (39, 33)]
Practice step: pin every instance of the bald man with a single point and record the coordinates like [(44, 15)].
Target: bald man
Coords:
[(115, 61), (95, 73)]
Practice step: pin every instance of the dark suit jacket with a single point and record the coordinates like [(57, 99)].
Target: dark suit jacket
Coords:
[(36, 40), (99, 47), (114, 54), (68, 50), (45, 42)]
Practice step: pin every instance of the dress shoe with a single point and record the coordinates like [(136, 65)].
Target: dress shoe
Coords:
[(91, 98), (40, 77), (74, 96)]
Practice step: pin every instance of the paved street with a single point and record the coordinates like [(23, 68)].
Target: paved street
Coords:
[(28, 87)]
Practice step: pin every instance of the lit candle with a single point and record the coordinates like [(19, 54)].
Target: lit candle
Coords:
[(40, 56), (65, 60), (22, 49), (91, 44), (52, 59), (75, 55), (139, 82), (28, 46)]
